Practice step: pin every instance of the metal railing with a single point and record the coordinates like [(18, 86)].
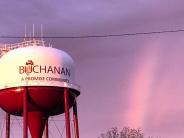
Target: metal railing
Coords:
[(7, 47)]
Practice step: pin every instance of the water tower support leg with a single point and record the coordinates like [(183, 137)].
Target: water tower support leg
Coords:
[(67, 115), (46, 132), (25, 114), (7, 125), (75, 119)]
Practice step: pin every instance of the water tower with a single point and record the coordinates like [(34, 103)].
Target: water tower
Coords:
[(37, 82)]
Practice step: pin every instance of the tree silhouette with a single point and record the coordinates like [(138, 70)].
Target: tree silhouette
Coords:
[(126, 132)]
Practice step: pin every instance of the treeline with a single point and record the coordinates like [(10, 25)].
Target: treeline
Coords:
[(126, 132)]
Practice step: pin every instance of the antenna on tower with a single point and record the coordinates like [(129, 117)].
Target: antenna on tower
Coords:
[(42, 32), (25, 32), (33, 32)]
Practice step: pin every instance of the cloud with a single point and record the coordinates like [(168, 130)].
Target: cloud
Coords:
[(89, 17)]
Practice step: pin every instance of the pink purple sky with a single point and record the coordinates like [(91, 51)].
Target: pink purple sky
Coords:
[(134, 81)]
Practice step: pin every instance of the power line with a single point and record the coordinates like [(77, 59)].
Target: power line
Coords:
[(97, 36)]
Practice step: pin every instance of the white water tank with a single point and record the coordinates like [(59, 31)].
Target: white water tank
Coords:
[(37, 66)]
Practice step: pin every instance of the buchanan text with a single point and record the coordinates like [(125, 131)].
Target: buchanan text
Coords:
[(44, 69)]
